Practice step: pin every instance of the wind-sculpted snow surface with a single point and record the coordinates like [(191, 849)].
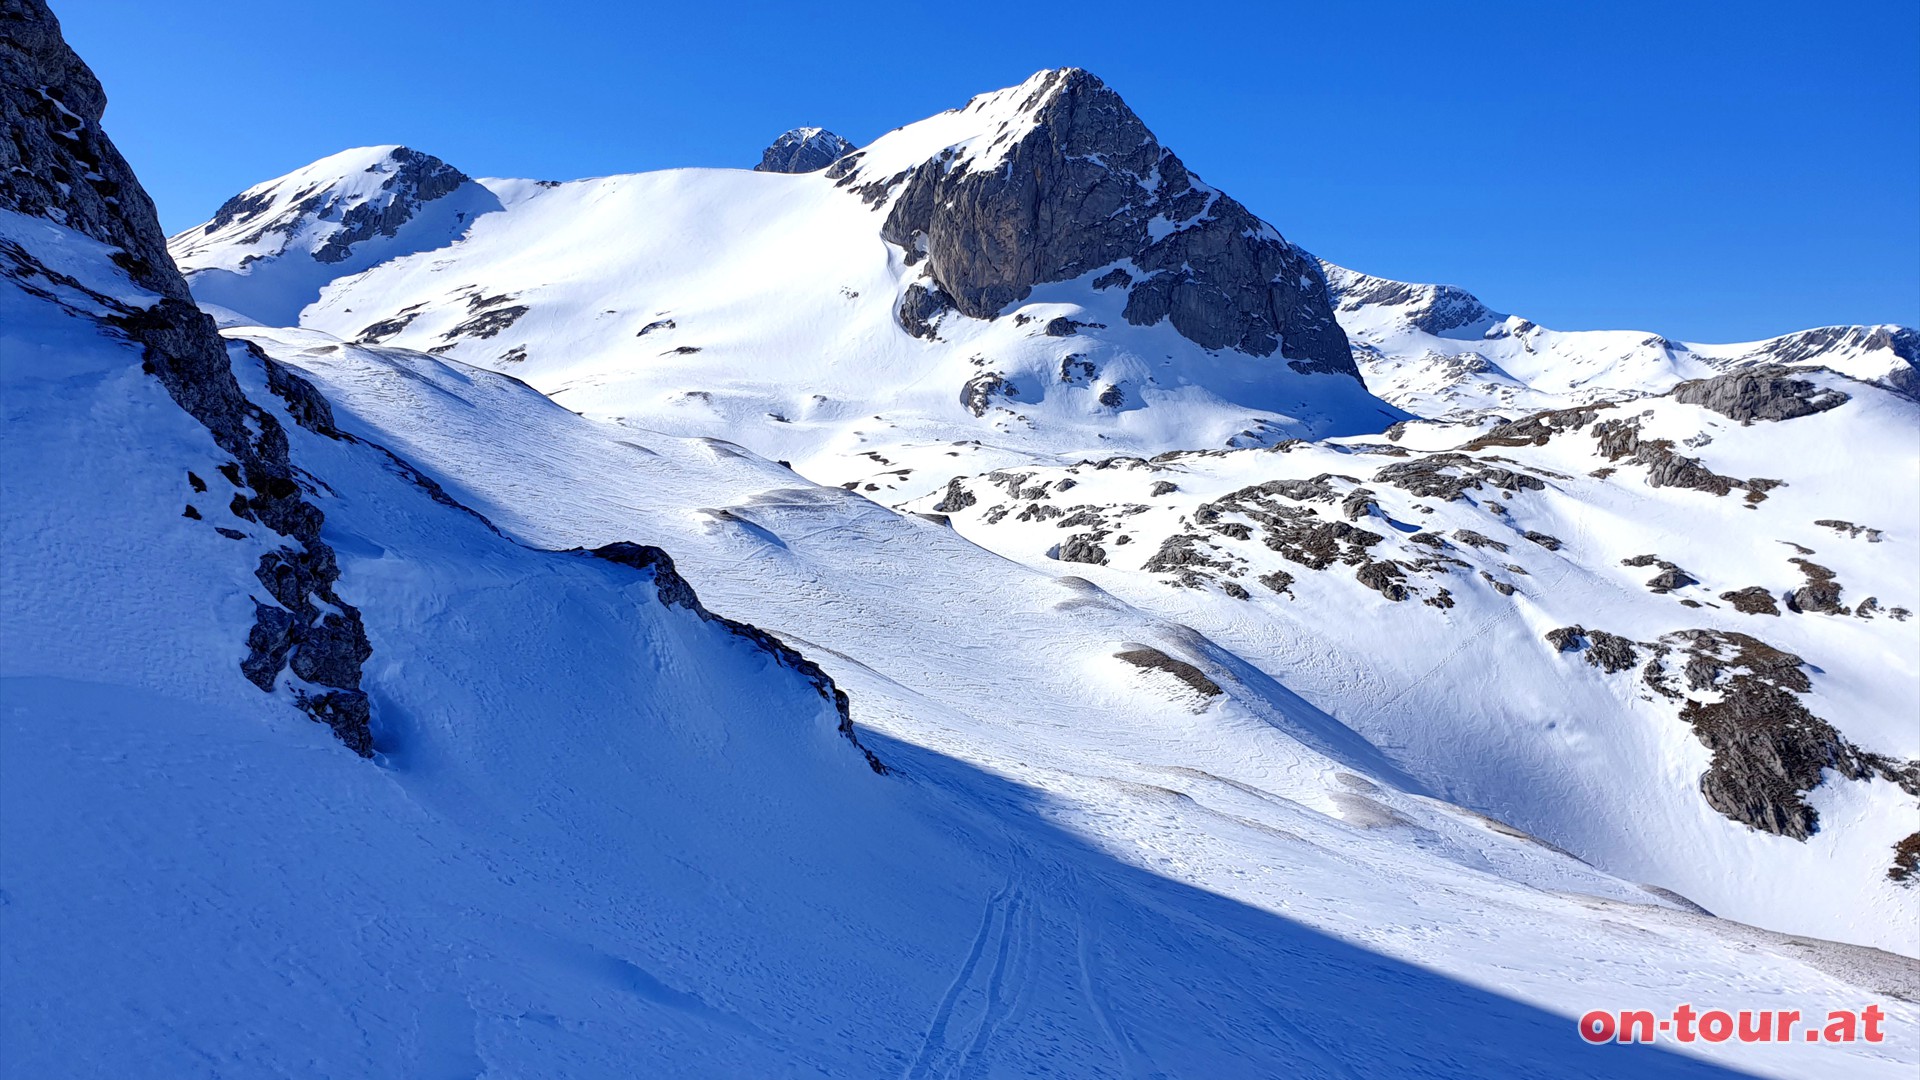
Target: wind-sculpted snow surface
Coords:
[(1033, 719), (836, 790), (1641, 538)]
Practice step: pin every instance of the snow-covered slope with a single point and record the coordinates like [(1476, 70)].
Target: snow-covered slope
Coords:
[(602, 829), (1438, 352), (605, 836), (988, 685), (1682, 548), (782, 310)]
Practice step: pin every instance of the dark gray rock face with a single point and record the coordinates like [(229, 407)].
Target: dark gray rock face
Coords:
[(1609, 652), (1766, 393), (1821, 593), (419, 178), (803, 150), (921, 309), (1742, 698), (1083, 548), (1620, 438), (1082, 185), (957, 498), (56, 163), (1752, 600), (1768, 749)]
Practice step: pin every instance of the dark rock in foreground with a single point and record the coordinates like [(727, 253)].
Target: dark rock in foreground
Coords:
[(57, 163)]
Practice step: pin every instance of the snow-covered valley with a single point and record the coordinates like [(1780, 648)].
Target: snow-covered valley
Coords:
[(819, 624)]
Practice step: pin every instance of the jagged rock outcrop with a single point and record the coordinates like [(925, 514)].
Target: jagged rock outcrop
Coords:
[(57, 163), (803, 150), (1762, 393), (1075, 183), (1742, 698)]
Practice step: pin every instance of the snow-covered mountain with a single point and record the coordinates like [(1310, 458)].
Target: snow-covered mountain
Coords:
[(678, 762), (903, 303), (1438, 352), (270, 249)]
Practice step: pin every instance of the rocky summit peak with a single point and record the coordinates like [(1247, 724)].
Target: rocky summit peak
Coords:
[(1057, 178), (368, 191), (803, 150)]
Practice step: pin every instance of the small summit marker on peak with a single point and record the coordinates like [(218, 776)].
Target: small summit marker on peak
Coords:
[(803, 150)]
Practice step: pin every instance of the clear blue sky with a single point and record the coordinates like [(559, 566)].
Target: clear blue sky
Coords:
[(1708, 171)]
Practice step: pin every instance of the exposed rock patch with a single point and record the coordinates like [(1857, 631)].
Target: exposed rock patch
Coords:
[(1449, 476), (803, 150), (1763, 393), (1849, 530), (1821, 593), (57, 163), (1152, 659), (921, 309), (1752, 600), (1743, 700), (1083, 548)]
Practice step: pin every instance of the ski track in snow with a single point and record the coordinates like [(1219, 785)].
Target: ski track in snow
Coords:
[(604, 837)]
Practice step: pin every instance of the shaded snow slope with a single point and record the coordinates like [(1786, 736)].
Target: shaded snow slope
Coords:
[(604, 836), (997, 691), (1438, 352), (605, 831)]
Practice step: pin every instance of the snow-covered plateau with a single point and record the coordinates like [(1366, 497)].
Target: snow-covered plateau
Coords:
[(978, 604)]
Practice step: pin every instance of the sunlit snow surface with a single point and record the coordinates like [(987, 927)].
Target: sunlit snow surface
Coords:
[(605, 838)]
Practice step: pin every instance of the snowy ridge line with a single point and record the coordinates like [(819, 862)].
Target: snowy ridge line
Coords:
[(310, 409), (1439, 352), (675, 591)]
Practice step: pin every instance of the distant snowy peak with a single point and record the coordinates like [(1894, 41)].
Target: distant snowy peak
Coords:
[(803, 150), (1057, 178), (268, 249), (1437, 351), (327, 207), (1435, 309)]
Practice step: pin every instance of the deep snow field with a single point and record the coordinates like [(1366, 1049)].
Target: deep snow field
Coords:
[(1041, 695), (601, 837)]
